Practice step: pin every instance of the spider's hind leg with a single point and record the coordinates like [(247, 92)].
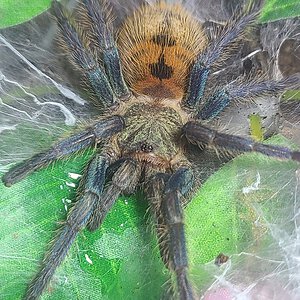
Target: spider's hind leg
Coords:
[(106, 82), (97, 15), (82, 57), (232, 32), (167, 197)]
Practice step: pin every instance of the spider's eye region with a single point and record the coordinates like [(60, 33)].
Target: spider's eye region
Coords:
[(147, 148)]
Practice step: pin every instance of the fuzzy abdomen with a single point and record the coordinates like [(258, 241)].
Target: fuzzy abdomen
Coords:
[(157, 46)]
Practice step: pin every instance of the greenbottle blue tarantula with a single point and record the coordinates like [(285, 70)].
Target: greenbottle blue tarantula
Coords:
[(151, 82)]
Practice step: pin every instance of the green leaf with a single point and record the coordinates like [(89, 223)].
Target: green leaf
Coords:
[(277, 9), (13, 12), (116, 262), (223, 215), (121, 260), (292, 95)]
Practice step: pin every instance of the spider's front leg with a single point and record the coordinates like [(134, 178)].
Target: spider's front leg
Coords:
[(92, 197), (74, 143), (78, 217), (166, 197)]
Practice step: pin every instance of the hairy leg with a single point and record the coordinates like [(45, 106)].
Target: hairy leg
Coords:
[(170, 214), (203, 136), (126, 179), (87, 138), (220, 99), (93, 200), (75, 44), (98, 16), (233, 30), (79, 215)]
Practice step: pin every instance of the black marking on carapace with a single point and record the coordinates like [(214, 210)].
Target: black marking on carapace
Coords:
[(160, 69), (163, 40)]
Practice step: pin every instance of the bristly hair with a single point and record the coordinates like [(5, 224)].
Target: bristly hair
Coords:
[(97, 20), (143, 139), (72, 39)]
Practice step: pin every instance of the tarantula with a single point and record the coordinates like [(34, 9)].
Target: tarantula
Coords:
[(151, 83)]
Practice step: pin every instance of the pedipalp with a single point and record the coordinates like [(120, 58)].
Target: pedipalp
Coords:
[(93, 204)]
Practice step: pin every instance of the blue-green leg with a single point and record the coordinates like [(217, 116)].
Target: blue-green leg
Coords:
[(220, 99), (215, 50), (83, 58), (97, 16), (204, 136), (165, 193), (79, 215), (87, 138)]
